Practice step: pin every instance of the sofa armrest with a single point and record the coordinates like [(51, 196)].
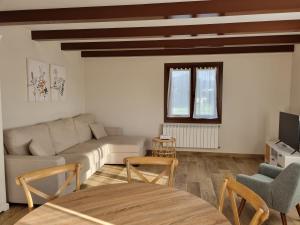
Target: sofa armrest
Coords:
[(114, 131), (16, 165), (269, 170), (26, 163), (252, 182), (259, 186)]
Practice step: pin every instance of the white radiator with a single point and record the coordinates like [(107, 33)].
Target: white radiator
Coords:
[(193, 135)]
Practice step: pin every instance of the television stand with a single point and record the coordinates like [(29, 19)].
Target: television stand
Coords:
[(294, 152), (279, 154)]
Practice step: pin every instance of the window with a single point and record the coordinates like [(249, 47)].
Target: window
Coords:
[(179, 89), (193, 92), (206, 94)]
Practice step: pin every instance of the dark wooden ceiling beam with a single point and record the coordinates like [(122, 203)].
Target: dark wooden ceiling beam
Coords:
[(228, 28), (183, 43), (82, 14), (193, 51)]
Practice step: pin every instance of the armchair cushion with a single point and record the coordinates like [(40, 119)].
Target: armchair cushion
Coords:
[(260, 184), (269, 170)]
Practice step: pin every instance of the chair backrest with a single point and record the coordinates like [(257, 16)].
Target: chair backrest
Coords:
[(286, 188), (169, 163), (23, 180), (235, 188)]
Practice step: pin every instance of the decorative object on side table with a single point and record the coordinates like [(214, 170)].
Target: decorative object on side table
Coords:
[(164, 147)]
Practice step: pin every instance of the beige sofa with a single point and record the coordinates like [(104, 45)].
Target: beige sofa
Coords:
[(63, 141)]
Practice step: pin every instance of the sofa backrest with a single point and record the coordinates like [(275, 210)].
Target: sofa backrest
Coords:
[(54, 136), (82, 126), (63, 133), (17, 140)]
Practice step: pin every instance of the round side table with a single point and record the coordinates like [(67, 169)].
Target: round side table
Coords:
[(164, 147)]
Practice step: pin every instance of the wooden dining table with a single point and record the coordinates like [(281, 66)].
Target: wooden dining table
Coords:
[(124, 204)]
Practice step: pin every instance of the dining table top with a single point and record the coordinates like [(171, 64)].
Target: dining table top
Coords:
[(124, 204)]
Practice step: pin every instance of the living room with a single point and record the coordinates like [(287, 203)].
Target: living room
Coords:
[(117, 60)]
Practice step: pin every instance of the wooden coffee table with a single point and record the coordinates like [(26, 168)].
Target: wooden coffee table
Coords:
[(126, 204)]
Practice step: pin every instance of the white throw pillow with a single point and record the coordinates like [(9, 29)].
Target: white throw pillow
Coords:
[(98, 130), (36, 149)]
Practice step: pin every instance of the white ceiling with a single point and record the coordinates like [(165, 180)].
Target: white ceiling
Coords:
[(170, 22), (39, 4)]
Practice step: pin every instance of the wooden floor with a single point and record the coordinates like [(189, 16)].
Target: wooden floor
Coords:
[(202, 175)]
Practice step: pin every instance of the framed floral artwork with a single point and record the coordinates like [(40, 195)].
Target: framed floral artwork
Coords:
[(38, 82), (58, 82)]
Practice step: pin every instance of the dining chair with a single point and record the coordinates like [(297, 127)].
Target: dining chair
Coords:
[(233, 188), (23, 180), (169, 163)]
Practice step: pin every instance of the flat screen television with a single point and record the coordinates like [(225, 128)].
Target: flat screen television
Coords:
[(289, 130)]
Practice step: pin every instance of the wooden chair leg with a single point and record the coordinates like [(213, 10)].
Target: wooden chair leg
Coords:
[(298, 209), (283, 218), (241, 207)]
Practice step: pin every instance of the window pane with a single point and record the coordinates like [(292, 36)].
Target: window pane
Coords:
[(179, 93), (205, 106)]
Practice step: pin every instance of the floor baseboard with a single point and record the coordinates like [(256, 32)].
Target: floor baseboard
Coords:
[(220, 154)]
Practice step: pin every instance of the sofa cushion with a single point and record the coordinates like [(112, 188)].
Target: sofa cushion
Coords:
[(92, 148), (90, 155), (63, 133), (78, 158), (98, 130), (83, 147), (113, 131), (17, 140), (36, 149), (82, 126), (124, 143)]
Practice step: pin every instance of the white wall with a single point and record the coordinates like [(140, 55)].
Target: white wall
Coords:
[(16, 45), (3, 204), (295, 88), (128, 92)]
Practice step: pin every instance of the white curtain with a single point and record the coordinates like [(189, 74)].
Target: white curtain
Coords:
[(179, 93), (205, 105)]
